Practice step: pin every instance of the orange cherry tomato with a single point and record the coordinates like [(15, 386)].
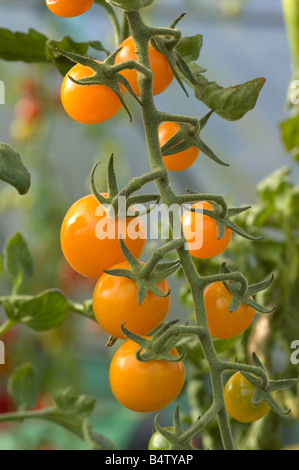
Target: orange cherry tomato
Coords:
[(181, 160), (69, 8), (87, 248), (89, 104), (238, 393), (144, 386), (222, 323), (115, 302), (201, 233), (163, 75)]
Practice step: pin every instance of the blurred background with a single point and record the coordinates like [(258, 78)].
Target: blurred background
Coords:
[(242, 40)]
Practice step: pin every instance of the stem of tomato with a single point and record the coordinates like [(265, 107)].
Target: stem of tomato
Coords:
[(151, 120)]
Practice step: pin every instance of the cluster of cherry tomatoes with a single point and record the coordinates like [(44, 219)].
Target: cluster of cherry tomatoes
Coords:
[(142, 386)]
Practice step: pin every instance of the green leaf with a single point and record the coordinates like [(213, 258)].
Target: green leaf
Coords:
[(18, 261), (230, 103), (190, 47), (129, 5), (12, 170), (22, 387), (27, 47), (34, 47), (290, 135), (43, 312)]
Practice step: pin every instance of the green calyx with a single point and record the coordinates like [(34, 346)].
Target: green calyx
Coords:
[(176, 437), (105, 73), (189, 136), (160, 345), (264, 389), (145, 280), (223, 219), (242, 295), (119, 202)]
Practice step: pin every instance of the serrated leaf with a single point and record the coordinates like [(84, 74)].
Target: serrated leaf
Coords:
[(230, 103), (28, 47), (190, 47), (12, 170), (34, 47), (18, 261), (22, 387), (129, 5)]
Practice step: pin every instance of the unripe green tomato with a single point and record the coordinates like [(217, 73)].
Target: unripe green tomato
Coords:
[(159, 442)]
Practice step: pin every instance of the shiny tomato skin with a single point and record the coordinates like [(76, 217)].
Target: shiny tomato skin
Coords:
[(88, 104), (144, 387), (162, 73), (115, 302), (69, 8), (179, 161), (222, 323), (84, 251), (205, 228), (238, 393)]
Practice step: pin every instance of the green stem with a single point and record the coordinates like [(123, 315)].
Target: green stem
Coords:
[(199, 425), (151, 120)]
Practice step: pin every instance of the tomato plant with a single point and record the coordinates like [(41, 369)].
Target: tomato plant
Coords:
[(131, 298), (144, 386), (238, 394), (115, 301)]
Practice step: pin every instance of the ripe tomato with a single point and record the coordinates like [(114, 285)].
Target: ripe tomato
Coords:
[(181, 160), (144, 386), (159, 442), (67, 8), (81, 241), (115, 302), (222, 323), (89, 104), (161, 69), (238, 393), (201, 233)]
